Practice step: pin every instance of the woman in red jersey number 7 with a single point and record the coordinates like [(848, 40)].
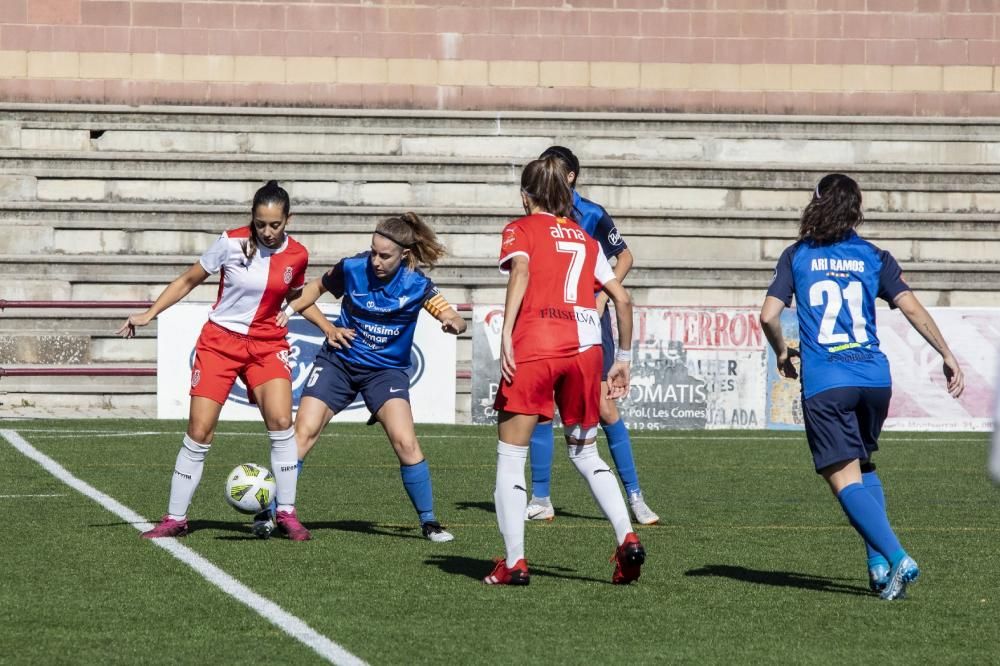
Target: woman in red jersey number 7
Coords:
[(551, 345), (261, 267)]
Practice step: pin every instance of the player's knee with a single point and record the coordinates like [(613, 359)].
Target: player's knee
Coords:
[(609, 411), (201, 434), (305, 436), (406, 447), (279, 422)]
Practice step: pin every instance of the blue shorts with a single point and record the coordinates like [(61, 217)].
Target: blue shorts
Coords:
[(607, 343), (337, 383), (844, 423)]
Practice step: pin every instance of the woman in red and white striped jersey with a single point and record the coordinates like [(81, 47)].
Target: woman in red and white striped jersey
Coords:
[(261, 266)]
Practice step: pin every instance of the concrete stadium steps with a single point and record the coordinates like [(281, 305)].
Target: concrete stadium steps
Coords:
[(232, 177), (72, 337), (392, 121), (179, 217), (114, 202)]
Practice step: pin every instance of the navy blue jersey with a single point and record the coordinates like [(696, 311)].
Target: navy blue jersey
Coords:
[(383, 315), (598, 224), (835, 287)]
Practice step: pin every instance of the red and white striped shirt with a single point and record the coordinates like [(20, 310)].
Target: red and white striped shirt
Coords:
[(251, 291)]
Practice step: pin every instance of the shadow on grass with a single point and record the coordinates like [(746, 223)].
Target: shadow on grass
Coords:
[(242, 530), (366, 527), (488, 508), (779, 579), (356, 526), (477, 568)]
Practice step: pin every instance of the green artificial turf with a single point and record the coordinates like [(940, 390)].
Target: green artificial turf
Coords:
[(753, 561)]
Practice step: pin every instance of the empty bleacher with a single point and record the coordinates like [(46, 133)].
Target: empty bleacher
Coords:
[(110, 203)]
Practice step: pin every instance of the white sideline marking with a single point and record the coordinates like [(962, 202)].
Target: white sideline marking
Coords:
[(266, 608)]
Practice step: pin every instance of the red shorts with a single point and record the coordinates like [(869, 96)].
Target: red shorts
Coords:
[(222, 355), (574, 380)]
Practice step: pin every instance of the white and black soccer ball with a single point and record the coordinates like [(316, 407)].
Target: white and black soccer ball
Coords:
[(250, 488)]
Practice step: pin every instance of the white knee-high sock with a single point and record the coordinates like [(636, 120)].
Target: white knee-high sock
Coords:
[(603, 486), (284, 466), (187, 475), (511, 498)]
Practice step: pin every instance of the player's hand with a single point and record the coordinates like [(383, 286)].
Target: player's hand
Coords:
[(507, 365), (786, 368), (127, 329), (618, 380), (340, 338), (953, 373), (281, 319), (455, 325)]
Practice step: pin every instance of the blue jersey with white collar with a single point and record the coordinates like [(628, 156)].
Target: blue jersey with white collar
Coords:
[(593, 219), (835, 287), (383, 315)]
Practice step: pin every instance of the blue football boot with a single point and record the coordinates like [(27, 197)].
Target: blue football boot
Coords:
[(878, 576), (903, 573)]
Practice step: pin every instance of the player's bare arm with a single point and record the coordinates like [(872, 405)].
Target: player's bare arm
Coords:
[(920, 319), (174, 292), (618, 374), (305, 304), (770, 322), (517, 285), (623, 264)]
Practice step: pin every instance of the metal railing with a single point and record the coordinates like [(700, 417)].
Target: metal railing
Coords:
[(109, 371)]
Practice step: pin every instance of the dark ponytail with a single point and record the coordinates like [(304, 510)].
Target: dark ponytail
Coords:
[(413, 234), (271, 193), (543, 181), (835, 210)]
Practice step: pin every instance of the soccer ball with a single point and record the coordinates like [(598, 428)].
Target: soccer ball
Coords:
[(250, 488)]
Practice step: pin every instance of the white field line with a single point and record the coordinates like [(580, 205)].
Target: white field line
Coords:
[(49, 433), (266, 608)]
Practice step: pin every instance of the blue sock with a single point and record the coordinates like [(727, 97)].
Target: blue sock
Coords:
[(869, 519), (542, 450), (620, 445), (273, 506), (873, 485), (417, 482)]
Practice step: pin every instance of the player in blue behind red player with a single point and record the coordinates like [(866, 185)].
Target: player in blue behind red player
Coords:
[(383, 292), (551, 348), (835, 277), (596, 222)]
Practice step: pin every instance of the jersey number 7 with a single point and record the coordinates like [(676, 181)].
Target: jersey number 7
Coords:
[(577, 252)]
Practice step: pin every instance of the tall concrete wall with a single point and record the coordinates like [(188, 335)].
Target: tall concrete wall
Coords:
[(904, 57)]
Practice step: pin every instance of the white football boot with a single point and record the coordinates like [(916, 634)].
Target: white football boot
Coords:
[(643, 514), (540, 508)]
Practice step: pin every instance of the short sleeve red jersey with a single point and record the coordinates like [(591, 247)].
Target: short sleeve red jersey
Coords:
[(251, 291), (558, 315)]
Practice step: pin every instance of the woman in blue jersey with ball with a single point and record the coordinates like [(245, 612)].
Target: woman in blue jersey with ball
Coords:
[(835, 277), (383, 292)]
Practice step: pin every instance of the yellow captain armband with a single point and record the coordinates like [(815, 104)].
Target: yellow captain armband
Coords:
[(436, 305)]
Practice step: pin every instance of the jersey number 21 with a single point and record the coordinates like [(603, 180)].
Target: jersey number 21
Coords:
[(830, 292)]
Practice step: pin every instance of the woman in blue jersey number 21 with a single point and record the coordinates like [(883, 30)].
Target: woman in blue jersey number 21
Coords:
[(835, 277), (382, 293)]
